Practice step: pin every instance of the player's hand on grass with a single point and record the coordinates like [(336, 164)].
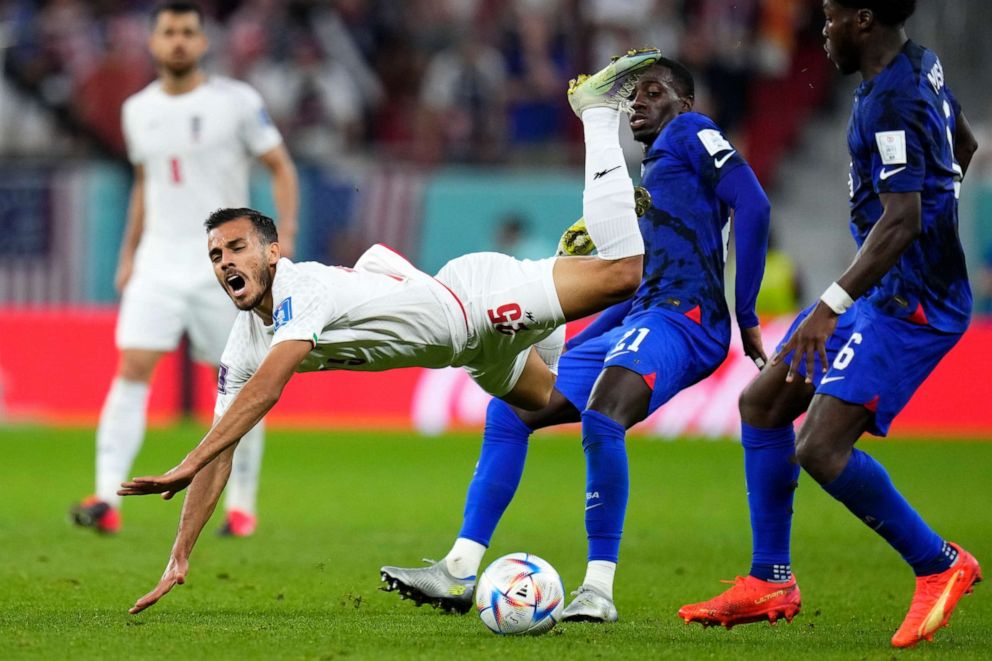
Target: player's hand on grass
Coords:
[(168, 484), (753, 347), (175, 574), (808, 342)]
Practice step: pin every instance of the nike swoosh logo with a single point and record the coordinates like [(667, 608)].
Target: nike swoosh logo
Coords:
[(885, 174), (720, 161), (936, 615), (605, 172), (830, 379), (592, 507), (611, 356)]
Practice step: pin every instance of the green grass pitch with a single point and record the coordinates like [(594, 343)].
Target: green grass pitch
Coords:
[(334, 507)]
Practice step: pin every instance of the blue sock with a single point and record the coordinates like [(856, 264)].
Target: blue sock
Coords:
[(607, 484), (865, 488), (772, 476), (497, 475)]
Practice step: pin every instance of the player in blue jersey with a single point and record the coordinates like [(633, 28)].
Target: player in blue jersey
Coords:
[(857, 356), (637, 355)]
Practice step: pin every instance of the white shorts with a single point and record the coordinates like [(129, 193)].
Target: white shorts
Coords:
[(511, 305), (154, 315)]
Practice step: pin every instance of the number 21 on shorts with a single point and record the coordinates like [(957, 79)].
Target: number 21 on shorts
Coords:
[(633, 345)]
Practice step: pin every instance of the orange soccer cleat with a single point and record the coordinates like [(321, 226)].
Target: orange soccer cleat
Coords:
[(749, 600), (97, 514), (935, 598)]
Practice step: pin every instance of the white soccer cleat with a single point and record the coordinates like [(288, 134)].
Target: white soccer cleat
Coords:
[(610, 86), (590, 605)]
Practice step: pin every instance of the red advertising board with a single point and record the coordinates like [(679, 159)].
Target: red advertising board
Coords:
[(56, 365)]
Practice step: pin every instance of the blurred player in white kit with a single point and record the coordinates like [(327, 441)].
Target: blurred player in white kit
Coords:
[(191, 139)]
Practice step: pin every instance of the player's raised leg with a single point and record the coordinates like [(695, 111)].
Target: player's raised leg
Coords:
[(119, 435), (587, 285)]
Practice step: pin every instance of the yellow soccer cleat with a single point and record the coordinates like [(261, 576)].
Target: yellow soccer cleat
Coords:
[(610, 87)]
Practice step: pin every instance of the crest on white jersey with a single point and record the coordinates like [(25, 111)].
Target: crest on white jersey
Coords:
[(714, 141), (282, 314), (892, 147)]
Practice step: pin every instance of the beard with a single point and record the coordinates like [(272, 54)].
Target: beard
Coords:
[(264, 279)]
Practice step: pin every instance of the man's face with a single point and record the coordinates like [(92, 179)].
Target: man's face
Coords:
[(841, 30), (177, 42), (655, 103), (242, 263)]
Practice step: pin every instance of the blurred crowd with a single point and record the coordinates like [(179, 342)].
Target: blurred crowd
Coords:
[(427, 80)]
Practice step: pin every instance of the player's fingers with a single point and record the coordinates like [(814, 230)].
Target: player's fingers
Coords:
[(823, 357), (810, 363)]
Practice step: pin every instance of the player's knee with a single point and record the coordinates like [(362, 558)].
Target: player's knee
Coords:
[(816, 458), (136, 368), (756, 409)]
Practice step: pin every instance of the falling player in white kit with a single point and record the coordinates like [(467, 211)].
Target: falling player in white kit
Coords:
[(498, 317), (191, 139)]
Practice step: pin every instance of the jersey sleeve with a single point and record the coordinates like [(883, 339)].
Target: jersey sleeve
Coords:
[(257, 128), (303, 309), (704, 147), (236, 365), (128, 119), (894, 130)]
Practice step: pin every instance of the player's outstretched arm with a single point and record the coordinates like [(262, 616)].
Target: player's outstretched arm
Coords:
[(260, 393), (201, 499), (286, 194), (895, 231)]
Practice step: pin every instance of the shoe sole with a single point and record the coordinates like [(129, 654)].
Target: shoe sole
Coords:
[(586, 618), (772, 616), (393, 584)]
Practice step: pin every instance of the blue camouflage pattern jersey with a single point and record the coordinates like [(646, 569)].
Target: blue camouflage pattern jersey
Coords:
[(901, 140), (687, 227)]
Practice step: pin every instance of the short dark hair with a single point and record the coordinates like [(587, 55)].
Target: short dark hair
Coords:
[(264, 226), (177, 7), (888, 12), (681, 76)]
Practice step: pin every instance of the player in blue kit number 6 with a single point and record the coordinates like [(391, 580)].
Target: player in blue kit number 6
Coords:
[(857, 356), (674, 332)]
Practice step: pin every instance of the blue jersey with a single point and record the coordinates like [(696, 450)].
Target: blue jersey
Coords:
[(686, 230), (901, 140)]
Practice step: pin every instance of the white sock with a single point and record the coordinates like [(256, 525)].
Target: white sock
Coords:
[(599, 574), (550, 348), (119, 436), (242, 487), (608, 198), (464, 558)]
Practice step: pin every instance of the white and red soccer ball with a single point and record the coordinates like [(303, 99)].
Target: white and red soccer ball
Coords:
[(520, 593)]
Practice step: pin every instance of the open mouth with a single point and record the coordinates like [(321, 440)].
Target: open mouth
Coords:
[(236, 283)]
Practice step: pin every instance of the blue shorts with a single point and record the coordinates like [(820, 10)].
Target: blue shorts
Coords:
[(876, 360), (669, 350)]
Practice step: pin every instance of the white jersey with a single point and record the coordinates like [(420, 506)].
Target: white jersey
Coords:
[(380, 315), (196, 149)]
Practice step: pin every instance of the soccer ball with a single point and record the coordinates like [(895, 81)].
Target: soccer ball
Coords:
[(520, 593)]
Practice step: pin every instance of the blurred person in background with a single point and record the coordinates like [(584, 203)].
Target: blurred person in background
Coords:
[(191, 139)]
